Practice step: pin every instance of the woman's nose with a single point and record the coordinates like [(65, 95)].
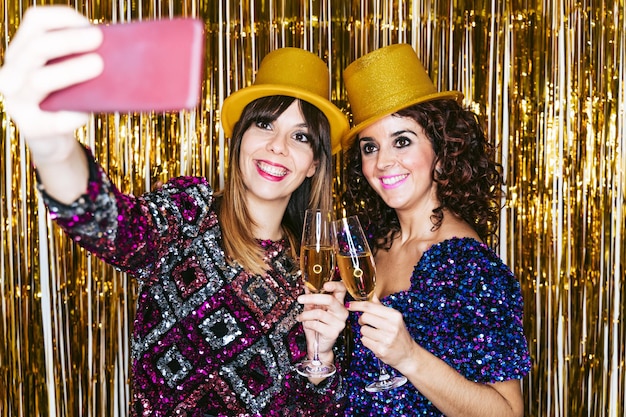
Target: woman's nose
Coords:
[(385, 159), (278, 144)]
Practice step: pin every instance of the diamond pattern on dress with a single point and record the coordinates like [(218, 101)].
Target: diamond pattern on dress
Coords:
[(220, 328), (289, 343), (191, 215), (173, 366), (261, 294), (150, 328), (254, 375), (189, 278), (265, 297)]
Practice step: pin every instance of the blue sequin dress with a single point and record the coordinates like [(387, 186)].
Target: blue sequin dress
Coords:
[(465, 306), (210, 338)]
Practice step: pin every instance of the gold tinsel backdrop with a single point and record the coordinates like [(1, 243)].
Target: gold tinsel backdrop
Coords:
[(548, 78)]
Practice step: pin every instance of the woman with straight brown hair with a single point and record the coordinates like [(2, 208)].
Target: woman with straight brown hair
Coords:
[(220, 319)]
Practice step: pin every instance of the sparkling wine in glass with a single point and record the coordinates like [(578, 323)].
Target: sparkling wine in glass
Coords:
[(317, 263), (358, 273)]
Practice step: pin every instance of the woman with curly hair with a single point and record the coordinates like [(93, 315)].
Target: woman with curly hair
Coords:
[(447, 313)]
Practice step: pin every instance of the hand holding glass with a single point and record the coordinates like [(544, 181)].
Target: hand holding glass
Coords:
[(358, 273), (317, 262)]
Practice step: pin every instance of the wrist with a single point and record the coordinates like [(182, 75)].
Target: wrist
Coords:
[(411, 363), (55, 151), (64, 178), (328, 357)]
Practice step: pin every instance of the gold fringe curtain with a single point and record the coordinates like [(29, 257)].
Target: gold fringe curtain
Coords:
[(546, 76)]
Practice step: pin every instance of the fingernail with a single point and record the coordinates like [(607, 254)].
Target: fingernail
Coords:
[(347, 304)]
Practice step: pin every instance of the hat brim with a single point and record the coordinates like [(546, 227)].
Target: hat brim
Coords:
[(235, 103), (444, 95)]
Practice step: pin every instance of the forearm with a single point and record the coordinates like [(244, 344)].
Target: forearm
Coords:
[(456, 396), (62, 170)]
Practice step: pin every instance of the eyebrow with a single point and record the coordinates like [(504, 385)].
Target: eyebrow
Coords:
[(400, 132), (393, 135)]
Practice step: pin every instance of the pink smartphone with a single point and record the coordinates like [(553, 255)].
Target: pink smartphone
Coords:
[(148, 66)]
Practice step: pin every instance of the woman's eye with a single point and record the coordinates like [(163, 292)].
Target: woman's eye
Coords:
[(302, 137), (402, 142), (262, 124), (367, 148)]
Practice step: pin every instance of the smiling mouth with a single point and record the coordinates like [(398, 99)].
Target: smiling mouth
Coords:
[(392, 180), (272, 170)]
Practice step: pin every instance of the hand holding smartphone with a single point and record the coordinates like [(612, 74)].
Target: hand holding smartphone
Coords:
[(148, 66)]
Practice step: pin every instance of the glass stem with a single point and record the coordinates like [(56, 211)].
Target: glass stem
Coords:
[(382, 371), (316, 345)]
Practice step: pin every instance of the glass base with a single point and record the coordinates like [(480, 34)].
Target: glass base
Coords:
[(315, 369), (386, 382)]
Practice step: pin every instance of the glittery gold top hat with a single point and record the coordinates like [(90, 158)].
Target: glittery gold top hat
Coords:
[(291, 72), (384, 81)]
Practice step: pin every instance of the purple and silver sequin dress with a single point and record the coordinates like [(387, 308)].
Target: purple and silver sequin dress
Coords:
[(464, 306), (209, 339)]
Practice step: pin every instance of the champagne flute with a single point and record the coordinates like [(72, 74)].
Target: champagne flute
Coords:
[(317, 262), (358, 273)]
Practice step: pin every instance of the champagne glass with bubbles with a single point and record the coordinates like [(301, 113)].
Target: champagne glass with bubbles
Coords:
[(358, 273), (317, 262)]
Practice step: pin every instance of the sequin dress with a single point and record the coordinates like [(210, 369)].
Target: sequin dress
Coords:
[(209, 338), (464, 306)]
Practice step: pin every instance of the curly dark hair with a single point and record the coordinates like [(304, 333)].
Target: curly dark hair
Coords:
[(469, 180)]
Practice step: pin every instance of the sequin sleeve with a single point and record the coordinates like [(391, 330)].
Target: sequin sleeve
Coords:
[(467, 309), (126, 231)]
